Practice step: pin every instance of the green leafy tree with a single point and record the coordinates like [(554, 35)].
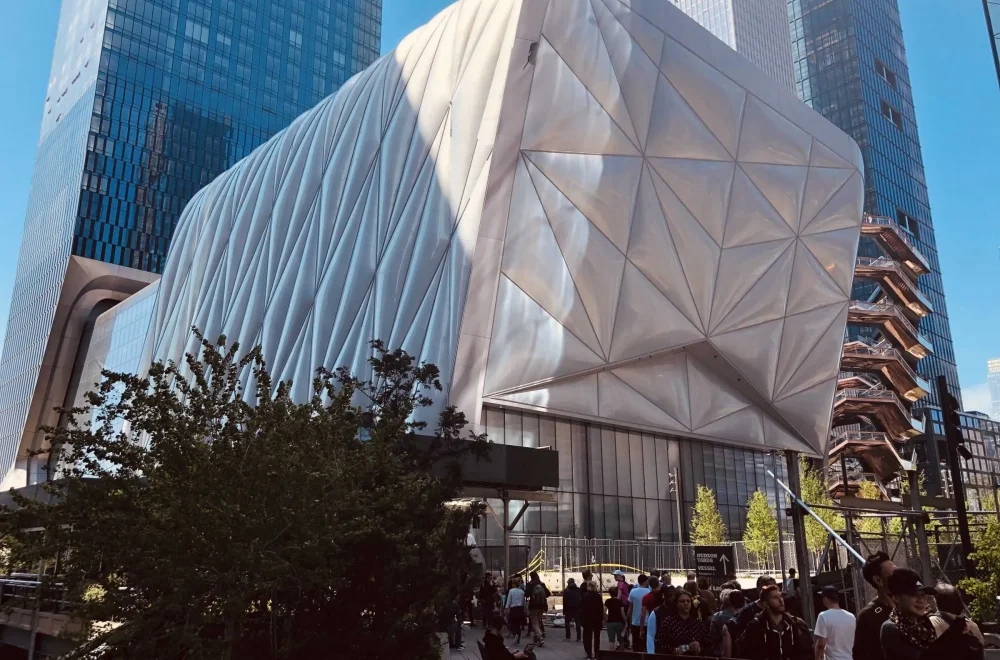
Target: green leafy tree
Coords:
[(814, 491), (869, 490), (984, 588), (255, 531), (761, 531), (707, 527)]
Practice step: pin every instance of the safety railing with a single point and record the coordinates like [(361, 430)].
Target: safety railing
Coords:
[(891, 265), (899, 231), (890, 309), (887, 352)]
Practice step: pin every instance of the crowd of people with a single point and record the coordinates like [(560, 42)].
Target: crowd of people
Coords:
[(906, 620)]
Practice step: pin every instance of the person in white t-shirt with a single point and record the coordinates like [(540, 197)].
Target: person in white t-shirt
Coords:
[(834, 629)]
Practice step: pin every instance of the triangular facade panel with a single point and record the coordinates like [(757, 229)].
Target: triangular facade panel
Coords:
[(618, 401), (664, 381), (646, 321), (564, 116), (652, 251), (601, 187)]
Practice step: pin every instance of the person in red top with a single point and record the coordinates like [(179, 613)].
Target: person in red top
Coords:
[(652, 600)]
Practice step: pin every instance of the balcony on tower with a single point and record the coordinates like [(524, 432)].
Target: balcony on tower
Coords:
[(880, 406), (893, 277), (874, 450), (894, 323), (883, 358), (896, 242)]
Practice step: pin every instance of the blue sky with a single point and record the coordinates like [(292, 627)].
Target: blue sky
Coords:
[(958, 110)]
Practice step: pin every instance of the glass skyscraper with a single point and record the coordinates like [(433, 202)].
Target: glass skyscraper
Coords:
[(756, 29), (850, 65), (148, 101)]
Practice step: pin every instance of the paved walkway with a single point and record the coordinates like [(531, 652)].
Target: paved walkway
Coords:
[(556, 648)]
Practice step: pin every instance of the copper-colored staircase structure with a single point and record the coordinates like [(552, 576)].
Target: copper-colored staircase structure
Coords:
[(879, 382)]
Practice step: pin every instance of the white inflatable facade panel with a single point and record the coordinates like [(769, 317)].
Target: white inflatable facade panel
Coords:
[(586, 207)]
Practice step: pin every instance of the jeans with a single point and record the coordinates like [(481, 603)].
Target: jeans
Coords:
[(591, 640), (638, 639), (535, 616), (573, 618), (455, 634)]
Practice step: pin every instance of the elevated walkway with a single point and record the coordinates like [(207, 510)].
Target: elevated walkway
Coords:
[(895, 324), (883, 406), (889, 362), (889, 234), (891, 276)]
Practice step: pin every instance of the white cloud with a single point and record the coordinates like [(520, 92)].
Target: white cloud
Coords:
[(977, 397)]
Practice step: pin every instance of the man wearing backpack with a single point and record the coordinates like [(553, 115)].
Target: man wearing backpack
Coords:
[(538, 604)]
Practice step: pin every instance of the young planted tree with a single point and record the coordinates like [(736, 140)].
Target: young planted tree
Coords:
[(224, 530), (761, 531), (707, 527), (869, 527), (986, 585), (814, 491)]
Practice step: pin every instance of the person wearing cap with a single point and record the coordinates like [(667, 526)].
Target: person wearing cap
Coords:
[(909, 631), (623, 586), (834, 628), (867, 634)]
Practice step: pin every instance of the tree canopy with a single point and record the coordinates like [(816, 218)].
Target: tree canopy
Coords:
[(986, 585), (707, 527), (220, 529), (814, 491), (761, 531)]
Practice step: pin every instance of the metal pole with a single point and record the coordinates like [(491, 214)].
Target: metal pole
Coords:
[(923, 548), (958, 487), (777, 511), (801, 550), (562, 560), (32, 638), (680, 516), (506, 534)]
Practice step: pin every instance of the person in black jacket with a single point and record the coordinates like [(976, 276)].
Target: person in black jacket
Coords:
[(487, 597), (592, 616), (774, 634), (867, 645), (571, 607)]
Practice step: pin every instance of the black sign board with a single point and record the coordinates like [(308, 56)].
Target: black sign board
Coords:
[(714, 560)]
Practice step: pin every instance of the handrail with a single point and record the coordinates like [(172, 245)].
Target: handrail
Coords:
[(892, 224), (886, 263), (855, 393), (888, 352), (840, 436), (893, 309)]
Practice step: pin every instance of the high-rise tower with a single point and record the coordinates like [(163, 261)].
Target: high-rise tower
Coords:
[(850, 64), (757, 29), (993, 371), (148, 101)]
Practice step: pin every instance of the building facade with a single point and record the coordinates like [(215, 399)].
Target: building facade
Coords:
[(757, 29), (991, 11), (993, 379), (148, 101), (612, 236), (850, 66)]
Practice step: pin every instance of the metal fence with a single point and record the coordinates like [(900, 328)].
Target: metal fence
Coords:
[(567, 556)]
